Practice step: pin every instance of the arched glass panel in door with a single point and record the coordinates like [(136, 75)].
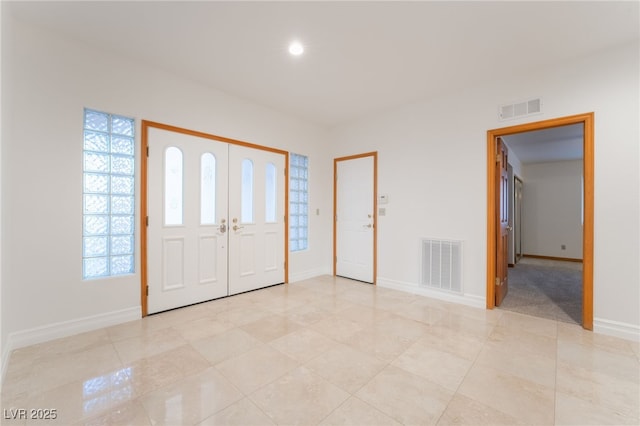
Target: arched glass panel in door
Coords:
[(207, 189), (270, 193), (246, 200), (173, 177)]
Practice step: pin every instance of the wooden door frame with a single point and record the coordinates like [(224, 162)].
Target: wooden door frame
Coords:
[(587, 120), (373, 154), (144, 136)]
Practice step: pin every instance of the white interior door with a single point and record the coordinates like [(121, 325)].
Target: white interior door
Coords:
[(355, 218), (187, 212), (256, 212)]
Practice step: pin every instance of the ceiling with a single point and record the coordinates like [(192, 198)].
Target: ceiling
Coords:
[(542, 146), (360, 58)]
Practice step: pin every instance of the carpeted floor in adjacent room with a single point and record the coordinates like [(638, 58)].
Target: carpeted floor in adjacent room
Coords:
[(546, 288)]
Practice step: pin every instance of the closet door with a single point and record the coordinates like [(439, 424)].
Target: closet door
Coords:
[(355, 217)]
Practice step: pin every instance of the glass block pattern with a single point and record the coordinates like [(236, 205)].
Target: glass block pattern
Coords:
[(108, 242), (298, 202)]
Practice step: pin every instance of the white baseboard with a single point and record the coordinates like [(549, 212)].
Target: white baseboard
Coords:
[(32, 336), (463, 299), (617, 329), (6, 351), (305, 275), (57, 330)]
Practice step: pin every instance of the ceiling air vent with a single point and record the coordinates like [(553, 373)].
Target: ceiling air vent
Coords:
[(520, 109)]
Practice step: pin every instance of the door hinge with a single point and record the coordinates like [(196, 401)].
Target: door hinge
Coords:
[(285, 171), (147, 290), (498, 158), (497, 281), (147, 151), (147, 220)]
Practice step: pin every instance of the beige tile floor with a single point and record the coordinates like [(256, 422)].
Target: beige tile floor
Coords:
[(329, 351)]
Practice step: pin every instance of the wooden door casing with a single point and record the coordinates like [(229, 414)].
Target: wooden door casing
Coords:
[(588, 121)]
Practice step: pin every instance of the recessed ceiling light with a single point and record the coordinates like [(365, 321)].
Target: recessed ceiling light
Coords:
[(296, 48)]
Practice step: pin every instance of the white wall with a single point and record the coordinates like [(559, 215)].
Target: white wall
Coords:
[(42, 209), (552, 208), (4, 37), (432, 164)]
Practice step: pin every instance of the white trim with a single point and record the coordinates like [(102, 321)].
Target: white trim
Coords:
[(57, 330), (305, 275), (460, 298), (617, 329), (6, 351)]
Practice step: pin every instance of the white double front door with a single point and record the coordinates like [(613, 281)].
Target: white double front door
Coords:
[(216, 219)]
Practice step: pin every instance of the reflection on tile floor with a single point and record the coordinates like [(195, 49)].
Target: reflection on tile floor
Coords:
[(327, 351)]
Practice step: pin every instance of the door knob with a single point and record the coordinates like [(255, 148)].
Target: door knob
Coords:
[(236, 227), (222, 228)]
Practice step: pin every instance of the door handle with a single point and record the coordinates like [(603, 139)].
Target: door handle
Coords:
[(236, 227), (222, 228), (367, 225)]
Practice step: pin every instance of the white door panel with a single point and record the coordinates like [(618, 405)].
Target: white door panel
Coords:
[(355, 218), (256, 212), (186, 245)]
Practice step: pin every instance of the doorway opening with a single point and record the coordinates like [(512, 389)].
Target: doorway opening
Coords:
[(213, 217), (545, 223), (495, 252)]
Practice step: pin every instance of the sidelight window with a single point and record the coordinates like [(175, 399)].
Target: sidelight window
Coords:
[(298, 202), (108, 195)]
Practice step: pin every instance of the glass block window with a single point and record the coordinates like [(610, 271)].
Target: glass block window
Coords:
[(298, 202), (108, 195)]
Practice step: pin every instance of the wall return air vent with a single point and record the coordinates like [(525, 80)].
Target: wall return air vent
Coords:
[(442, 265), (520, 109)]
